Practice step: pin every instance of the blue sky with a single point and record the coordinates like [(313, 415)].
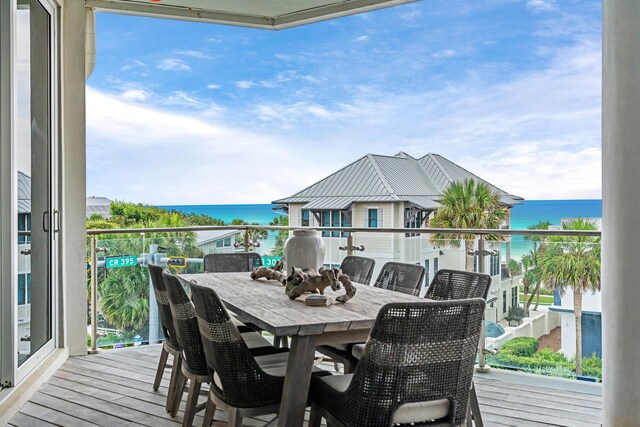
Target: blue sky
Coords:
[(187, 113)]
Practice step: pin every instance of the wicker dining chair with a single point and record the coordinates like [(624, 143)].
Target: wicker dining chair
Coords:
[(358, 268), (194, 365), (456, 284), (170, 345), (243, 384), (416, 369), (230, 263), (401, 277)]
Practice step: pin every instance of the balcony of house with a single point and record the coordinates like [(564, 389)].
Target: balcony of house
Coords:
[(115, 388), (532, 380)]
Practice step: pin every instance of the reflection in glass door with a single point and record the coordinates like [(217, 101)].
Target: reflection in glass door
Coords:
[(35, 154)]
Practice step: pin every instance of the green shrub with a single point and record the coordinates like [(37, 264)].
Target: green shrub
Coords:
[(520, 346), (549, 355)]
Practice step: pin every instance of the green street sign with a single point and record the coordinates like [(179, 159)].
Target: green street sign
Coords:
[(120, 261), (270, 261)]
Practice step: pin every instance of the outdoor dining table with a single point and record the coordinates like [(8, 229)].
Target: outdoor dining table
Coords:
[(264, 304)]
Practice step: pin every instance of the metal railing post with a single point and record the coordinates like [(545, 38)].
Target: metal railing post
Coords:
[(482, 364), (247, 240), (94, 296), (350, 244)]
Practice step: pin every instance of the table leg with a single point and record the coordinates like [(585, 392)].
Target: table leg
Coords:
[(296, 381)]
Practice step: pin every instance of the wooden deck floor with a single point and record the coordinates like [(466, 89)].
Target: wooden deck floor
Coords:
[(114, 388)]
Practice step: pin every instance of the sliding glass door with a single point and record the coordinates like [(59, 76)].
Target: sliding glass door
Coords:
[(29, 272)]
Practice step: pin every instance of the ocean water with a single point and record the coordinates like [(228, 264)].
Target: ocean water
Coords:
[(522, 216)]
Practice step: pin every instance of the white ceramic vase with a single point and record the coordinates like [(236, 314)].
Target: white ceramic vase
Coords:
[(305, 249)]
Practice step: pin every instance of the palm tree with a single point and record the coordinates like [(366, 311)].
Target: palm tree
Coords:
[(532, 276), (573, 262), (467, 204), (538, 247), (281, 237)]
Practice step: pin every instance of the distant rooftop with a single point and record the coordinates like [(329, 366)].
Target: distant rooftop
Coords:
[(99, 205), (378, 178)]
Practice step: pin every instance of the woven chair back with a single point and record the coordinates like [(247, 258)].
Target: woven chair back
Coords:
[(230, 263), (186, 324), (456, 284), (401, 277), (244, 383), (164, 310), (416, 352), (358, 268)]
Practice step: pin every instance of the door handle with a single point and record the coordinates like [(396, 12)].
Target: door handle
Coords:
[(56, 221), (45, 221)]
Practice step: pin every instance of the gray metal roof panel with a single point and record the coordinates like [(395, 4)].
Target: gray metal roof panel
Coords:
[(406, 176), (24, 193), (398, 177)]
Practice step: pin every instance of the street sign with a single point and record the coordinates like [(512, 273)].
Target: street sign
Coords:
[(120, 261), (177, 261), (270, 261)]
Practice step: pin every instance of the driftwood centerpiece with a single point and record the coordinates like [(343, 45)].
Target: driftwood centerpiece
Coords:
[(300, 281)]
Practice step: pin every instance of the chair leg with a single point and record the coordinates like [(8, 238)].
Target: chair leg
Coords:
[(336, 367), (475, 407), (276, 341), (173, 384), (209, 412), (285, 341), (315, 417), (235, 420), (164, 354), (177, 397), (192, 402)]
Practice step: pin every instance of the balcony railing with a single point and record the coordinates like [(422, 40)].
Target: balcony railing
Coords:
[(127, 313)]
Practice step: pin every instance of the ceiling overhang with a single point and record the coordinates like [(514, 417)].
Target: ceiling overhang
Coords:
[(265, 14)]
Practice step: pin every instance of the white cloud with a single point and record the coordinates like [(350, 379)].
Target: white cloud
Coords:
[(136, 63), (173, 64), (194, 54), (134, 95), (536, 135), (141, 153), (245, 84), (446, 53), (213, 86), (361, 39), (541, 5)]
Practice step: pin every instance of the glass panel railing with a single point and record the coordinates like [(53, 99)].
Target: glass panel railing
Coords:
[(530, 320)]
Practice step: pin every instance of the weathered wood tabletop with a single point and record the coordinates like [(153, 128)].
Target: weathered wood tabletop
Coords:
[(265, 304)]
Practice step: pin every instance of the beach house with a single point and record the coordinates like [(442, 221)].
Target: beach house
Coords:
[(400, 191)]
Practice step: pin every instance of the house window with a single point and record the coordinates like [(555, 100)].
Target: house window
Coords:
[(335, 222), (414, 220), (514, 296), (494, 265), (372, 218), (346, 222), (24, 288), (504, 301), (325, 218), (436, 267), (24, 224), (305, 218), (223, 243), (426, 272)]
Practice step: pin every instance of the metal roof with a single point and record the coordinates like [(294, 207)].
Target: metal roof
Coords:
[(388, 178), (272, 14), (24, 193), (99, 205)]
